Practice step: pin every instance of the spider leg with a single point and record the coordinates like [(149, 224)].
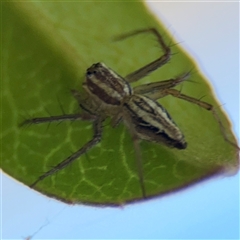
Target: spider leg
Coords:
[(136, 142), (150, 88), (202, 104), (138, 155), (65, 117), (82, 100), (97, 127), (85, 116), (142, 72)]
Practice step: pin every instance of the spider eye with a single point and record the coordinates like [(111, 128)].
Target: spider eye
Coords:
[(89, 73)]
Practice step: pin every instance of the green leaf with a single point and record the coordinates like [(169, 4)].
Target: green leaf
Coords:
[(47, 47)]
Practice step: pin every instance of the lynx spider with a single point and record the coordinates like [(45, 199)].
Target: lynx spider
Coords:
[(109, 95)]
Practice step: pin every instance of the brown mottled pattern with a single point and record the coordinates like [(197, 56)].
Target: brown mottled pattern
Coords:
[(112, 82), (143, 105), (101, 93), (153, 123), (106, 84)]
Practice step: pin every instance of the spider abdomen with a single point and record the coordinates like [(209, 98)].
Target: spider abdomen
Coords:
[(152, 122)]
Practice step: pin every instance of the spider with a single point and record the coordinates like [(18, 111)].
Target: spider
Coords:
[(108, 95)]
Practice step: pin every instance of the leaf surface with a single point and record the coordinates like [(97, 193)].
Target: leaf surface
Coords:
[(47, 47)]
